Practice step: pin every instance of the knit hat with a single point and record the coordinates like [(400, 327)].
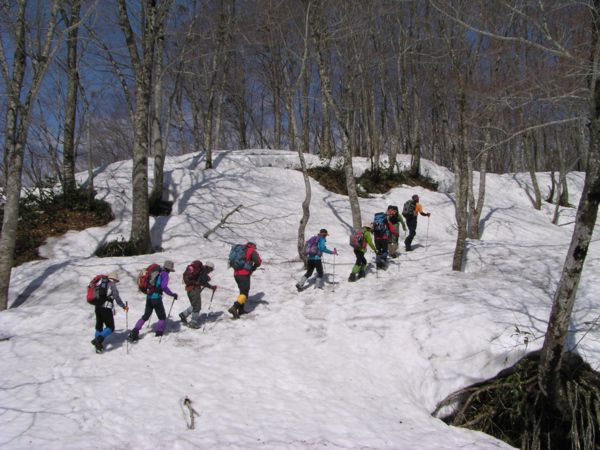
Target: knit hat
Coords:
[(415, 198)]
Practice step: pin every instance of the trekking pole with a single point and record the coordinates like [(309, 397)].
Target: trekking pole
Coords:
[(333, 276), (167, 320), (427, 234), (127, 323), (208, 313)]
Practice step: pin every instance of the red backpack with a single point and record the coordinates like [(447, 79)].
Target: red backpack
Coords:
[(96, 290), (147, 279), (190, 275)]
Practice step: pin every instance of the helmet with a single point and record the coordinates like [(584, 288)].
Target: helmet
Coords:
[(210, 265), (113, 276)]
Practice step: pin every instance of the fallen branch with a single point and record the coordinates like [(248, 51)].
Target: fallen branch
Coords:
[(187, 402), (223, 220)]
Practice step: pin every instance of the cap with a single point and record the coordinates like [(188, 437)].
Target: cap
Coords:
[(168, 265), (210, 265), (415, 198), (113, 276), (324, 232)]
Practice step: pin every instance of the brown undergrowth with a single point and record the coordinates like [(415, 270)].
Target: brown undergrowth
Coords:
[(511, 407)]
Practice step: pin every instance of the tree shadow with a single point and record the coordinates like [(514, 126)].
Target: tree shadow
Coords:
[(36, 283)]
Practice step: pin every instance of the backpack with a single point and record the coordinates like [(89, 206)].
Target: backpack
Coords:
[(190, 275), (408, 210), (356, 238), (237, 257), (97, 290), (311, 246), (380, 223), (148, 278)]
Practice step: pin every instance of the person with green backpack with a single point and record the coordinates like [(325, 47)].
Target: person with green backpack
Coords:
[(411, 210), (359, 239)]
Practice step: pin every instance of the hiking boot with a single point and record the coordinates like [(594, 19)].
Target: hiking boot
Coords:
[(361, 274), (97, 342), (352, 277), (134, 335), (194, 325), (241, 310), (183, 318), (408, 248), (234, 311)]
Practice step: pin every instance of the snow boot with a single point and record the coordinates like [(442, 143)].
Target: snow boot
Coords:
[(300, 283), (158, 333), (97, 342), (352, 277), (134, 335), (195, 322), (235, 310)]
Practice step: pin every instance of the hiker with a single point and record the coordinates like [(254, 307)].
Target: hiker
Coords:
[(105, 321), (154, 302), (394, 218), (315, 247), (243, 266), (411, 210), (196, 278), (382, 230), (359, 241)]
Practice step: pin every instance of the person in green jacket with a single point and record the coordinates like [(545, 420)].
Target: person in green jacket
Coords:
[(395, 219), (359, 241)]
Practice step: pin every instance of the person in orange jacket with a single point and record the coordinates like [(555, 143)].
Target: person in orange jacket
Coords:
[(412, 209)]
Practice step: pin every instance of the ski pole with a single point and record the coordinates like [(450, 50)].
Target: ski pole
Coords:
[(208, 313), (127, 323), (427, 234), (167, 320), (333, 276)]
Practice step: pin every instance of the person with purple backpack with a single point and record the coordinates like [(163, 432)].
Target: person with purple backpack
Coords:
[(314, 248), (154, 302)]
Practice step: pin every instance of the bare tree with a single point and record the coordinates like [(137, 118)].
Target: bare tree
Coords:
[(21, 88)]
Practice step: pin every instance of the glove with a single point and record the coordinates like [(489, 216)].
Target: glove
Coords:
[(126, 308), (335, 251), (214, 288), (428, 214), (175, 296)]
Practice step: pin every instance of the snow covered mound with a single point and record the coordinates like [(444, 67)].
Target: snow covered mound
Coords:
[(355, 365)]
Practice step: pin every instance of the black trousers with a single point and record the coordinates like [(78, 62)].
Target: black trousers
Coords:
[(411, 223), (312, 265), (154, 304), (104, 317), (243, 282)]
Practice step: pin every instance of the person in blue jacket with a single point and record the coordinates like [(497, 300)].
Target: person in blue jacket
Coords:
[(314, 260)]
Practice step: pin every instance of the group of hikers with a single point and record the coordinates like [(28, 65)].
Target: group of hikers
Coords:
[(381, 236)]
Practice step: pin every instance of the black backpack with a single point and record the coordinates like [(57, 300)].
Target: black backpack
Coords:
[(408, 210)]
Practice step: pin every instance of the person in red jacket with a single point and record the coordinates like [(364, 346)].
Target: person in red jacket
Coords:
[(242, 278)]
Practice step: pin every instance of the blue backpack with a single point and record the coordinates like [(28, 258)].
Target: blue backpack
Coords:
[(380, 223), (311, 247), (237, 257)]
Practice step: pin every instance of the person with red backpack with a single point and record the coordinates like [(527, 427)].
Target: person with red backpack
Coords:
[(395, 220), (196, 278), (244, 259), (314, 248), (154, 301), (359, 241), (105, 321)]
